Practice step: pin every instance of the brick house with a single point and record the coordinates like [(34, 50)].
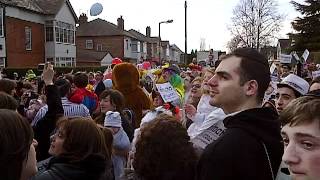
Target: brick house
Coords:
[(98, 39), (36, 31)]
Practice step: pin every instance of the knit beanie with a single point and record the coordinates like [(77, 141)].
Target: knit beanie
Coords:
[(112, 119)]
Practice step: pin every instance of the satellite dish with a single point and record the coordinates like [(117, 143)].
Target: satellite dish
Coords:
[(96, 9)]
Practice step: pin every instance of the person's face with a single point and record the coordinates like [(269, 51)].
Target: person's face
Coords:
[(57, 140), (225, 89), (98, 77), (314, 86), (166, 75), (285, 70), (29, 168), (302, 150), (196, 89), (157, 101), (106, 105), (207, 76), (91, 77), (284, 96)]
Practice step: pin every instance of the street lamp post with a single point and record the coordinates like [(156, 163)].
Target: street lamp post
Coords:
[(166, 22)]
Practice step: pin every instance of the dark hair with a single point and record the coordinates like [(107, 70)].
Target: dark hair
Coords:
[(303, 110), (116, 99), (64, 86), (8, 102), (253, 66), (82, 139), (7, 85), (164, 151), (16, 136), (81, 79)]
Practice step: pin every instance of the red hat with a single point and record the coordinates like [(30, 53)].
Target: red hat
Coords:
[(116, 61)]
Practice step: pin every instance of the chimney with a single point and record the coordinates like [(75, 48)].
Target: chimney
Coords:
[(83, 19), (120, 23), (148, 31)]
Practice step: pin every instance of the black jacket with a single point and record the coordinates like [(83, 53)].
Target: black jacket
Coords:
[(239, 152), (60, 168), (100, 88), (46, 125)]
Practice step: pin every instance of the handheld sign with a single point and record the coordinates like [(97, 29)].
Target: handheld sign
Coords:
[(96, 9), (315, 74), (167, 92), (285, 59), (305, 55)]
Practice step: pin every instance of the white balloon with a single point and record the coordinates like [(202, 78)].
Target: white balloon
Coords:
[(96, 9)]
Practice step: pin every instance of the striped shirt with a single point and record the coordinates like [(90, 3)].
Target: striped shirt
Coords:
[(70, 110)]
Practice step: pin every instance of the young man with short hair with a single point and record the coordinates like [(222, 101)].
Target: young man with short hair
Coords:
[(301, 137), (238, 88), (290, 88)]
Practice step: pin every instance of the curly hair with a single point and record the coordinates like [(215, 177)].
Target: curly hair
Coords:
[(164, 152)]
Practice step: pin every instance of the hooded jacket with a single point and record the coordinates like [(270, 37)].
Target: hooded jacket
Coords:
[(60, 168), (239, 152)]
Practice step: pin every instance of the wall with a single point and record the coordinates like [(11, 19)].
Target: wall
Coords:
[(112, 44), (17, 55)]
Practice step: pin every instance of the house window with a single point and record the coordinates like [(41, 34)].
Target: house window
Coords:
[(28, 38), (99, 47), (134, 47), (49, 31), (89, 44), (1, 22), (2, 62), (64, 32), (64, 62), (138, 46), (127, 44)]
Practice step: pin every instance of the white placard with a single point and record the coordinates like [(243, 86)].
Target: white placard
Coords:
[(285, 59), (305, 54), (167, 92), (315, 74)]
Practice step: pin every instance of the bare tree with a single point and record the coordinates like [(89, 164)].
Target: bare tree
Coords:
[(255, 23)]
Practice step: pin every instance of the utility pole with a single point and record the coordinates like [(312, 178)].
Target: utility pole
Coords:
[(185, 33)]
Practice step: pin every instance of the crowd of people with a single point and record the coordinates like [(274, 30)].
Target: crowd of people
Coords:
[(231, 119)]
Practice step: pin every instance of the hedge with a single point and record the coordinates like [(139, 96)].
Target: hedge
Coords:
[(59, 70)]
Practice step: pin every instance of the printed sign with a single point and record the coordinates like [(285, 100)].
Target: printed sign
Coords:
[(167, 92), (285, 59), (315, 74), (305, 55), (209, 135)]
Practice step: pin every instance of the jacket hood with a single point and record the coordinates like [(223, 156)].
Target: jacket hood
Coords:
[(90, 168), (262, 123)]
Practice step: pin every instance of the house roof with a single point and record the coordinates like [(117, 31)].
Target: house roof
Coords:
[(46, 7), (173, 46), (100, 27), (90, 56), (284, 43), (139, 35), (153, 39)]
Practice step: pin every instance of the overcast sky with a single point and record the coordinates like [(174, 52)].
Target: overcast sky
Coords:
[(207, 19)]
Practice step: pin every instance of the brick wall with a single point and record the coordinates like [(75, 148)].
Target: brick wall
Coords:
[(17, 55), (112, 44)]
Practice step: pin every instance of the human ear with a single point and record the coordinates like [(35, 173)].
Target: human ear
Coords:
[(251, 88)]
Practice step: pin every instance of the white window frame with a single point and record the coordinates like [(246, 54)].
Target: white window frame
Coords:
[(28, 38), (64, 32), (89, 44), (99, 47)]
